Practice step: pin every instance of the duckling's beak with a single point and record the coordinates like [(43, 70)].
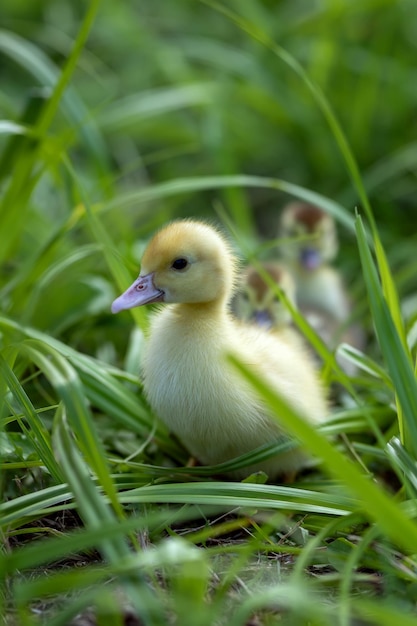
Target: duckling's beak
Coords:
[(262, 318), (310, 258), (142, 291)]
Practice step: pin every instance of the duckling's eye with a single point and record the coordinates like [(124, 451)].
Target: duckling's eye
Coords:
[(179, 264)]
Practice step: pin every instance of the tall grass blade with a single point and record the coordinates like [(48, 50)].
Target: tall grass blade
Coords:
[(94, 510), (244, 494), (64, 378), (395, 355), (200, 183), (391, 519), (138, 107), (102, 387), (31, 426), (16, 512)]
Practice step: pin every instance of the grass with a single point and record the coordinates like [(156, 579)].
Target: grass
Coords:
[(115, 119)]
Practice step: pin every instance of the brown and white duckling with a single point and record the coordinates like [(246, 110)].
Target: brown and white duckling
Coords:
[(321, 294), (318, 284), (189, 266), (255, 301)]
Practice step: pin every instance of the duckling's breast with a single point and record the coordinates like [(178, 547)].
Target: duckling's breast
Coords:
[(324, 290), (193, 389)]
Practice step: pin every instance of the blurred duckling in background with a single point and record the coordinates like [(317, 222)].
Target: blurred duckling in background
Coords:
[(318, 284), (256, 302), (320, 291), (189, 266)]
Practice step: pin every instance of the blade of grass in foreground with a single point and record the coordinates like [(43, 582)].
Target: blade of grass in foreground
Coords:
[(91, 504), (351, 566), (49, 550), (382, 613), (393, 350), (64, 378), (94, 510), (298, 598), (31, 426), (102, 387), (392, 520), (243, 494)]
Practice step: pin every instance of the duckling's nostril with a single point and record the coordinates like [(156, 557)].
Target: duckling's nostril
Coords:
[(146, 292)]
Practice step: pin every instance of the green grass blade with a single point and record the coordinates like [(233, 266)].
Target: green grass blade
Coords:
[(103, 388), (64, 378), (364, 363), (200, 183), (244, 494), (33, 427), (91, 504), (389, 290), (95, 511), (395, 355), (126, 113), (392, 520), (118, 270), (50, 549), (382, 613), (22, 137), (34, 61), (404, 462), (15, 202), (351, 566), (14, 513)]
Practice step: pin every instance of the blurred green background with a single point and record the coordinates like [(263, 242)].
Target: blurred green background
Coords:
[(165, 91), (114, 122)]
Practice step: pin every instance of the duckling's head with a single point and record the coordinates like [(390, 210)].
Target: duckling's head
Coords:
[(256, 301), (185, 262), (300, 219)]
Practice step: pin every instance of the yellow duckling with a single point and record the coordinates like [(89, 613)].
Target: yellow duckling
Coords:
[(189, 383), (256, 302)]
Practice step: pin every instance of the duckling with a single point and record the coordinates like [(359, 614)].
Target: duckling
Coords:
[(189, 266), (255, 301), (318, 284), (321, 294)]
